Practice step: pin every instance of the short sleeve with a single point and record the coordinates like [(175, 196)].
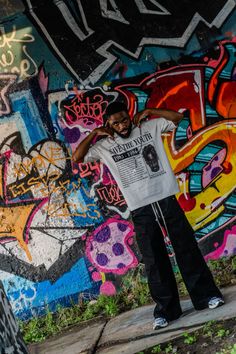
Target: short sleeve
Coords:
[(165, 125), (92, 154)]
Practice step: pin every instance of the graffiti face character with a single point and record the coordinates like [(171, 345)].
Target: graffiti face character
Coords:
[(151, 158)]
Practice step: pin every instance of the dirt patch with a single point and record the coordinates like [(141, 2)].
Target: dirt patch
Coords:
[(213, 338)]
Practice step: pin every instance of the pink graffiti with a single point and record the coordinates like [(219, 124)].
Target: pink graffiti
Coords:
[(107, 177), (96, 276), (111, 195), (228, 246), (88, 169), (107, 248), (213, 168), (107, 288), (43, 80), (85, 108)]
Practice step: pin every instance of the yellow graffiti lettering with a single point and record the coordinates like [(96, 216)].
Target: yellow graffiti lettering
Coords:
[(223, 185)]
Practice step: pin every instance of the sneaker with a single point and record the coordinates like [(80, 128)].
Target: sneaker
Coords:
[(160, 322), (215, 302)]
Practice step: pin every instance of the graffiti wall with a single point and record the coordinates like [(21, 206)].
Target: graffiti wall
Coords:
[(65, 229)]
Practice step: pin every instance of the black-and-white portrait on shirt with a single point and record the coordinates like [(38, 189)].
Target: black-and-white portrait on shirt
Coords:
[(150, 156)]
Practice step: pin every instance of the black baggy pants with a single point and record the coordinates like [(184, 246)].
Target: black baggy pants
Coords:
[(161, 280)]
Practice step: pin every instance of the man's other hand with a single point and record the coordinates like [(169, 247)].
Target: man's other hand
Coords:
[(104, 131), (141, 117)]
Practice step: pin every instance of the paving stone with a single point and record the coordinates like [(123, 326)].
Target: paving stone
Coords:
[(132, 331), (135, 323), (74, 341), (141, 344)]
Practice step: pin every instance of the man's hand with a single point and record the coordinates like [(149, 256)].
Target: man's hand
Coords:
[(83, 147), (104, 131), (168, 114), (141, 116)]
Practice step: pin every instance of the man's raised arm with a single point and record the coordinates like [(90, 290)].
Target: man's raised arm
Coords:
[(82, 149)]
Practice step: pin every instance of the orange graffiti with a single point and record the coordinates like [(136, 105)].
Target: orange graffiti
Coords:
[(72, 209), (173, 91), (15, 217), (176, 88), (13, 221), (50, 155), (226, 100), (41, 182)]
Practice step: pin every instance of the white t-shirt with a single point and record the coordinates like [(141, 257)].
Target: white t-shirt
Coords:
[(139, 163)]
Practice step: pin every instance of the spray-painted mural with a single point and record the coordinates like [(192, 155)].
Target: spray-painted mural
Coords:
[(65, 228)]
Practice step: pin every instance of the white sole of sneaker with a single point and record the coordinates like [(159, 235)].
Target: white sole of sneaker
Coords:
[(159, 327), (220, 303)]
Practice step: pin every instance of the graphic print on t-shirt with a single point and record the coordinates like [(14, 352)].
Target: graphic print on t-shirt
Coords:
[(137, 160), (153, 163)]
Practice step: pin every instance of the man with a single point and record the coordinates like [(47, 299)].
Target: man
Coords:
[(135, 154)]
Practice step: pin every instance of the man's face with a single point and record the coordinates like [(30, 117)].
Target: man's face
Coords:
[(120, 122)]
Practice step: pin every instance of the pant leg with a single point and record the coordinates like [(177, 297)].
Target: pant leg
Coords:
[(161, 279), (195, 272)]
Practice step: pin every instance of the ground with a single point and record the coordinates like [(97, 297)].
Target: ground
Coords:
[(213, 338)]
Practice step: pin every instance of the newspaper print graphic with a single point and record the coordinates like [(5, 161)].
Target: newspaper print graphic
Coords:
[(137, 160)]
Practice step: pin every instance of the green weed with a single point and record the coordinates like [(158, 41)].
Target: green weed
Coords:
[(181, 286), (221, 333), (169, 348), (233, 263), (189, 338), (156, 349), (229, 350), (32, 332), (135, 291), (223, 270), (209, 328)]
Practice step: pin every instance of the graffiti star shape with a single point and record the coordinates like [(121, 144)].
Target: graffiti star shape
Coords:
[(15, 217)]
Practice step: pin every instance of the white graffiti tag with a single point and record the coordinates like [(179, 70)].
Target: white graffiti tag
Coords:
[(22, 63), (5, 82)]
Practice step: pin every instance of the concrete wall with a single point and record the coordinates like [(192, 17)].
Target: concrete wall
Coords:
[(65, 230)]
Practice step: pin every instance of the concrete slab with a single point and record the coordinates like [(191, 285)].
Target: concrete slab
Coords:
[(144, 343), (132, 331), (74, 341)]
